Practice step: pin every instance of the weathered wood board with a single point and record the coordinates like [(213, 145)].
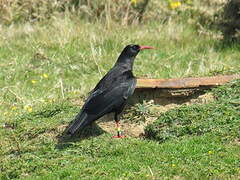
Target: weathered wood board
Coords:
[(177, 88)]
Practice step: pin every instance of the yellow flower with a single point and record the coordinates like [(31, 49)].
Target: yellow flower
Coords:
[(45, 75), (210, 152), (75, 92), (173, 165), (34, 81), (28, 108), (13, 108), (50, 100), (175, 4), (134, 2)]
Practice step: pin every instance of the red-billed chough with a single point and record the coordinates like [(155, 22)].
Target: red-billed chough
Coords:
[(111, 92)]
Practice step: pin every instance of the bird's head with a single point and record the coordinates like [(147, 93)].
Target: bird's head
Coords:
[(129, 53), (133, 49)]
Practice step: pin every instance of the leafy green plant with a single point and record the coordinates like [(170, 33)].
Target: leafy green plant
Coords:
[(139, 112)]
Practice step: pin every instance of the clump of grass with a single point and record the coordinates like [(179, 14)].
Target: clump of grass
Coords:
[(139, 112), (220, 118)]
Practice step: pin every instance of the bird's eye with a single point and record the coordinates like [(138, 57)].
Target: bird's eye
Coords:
[(135, 47)]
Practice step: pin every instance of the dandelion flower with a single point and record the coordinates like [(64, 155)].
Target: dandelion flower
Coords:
[(210, 152), (34, 81), (28, 108), (134, 2), (50, 100), (45, 75), (175, 4), (13, 108), (75, 92)]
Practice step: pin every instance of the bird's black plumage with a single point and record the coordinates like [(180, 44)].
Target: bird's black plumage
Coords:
[(111, 92)]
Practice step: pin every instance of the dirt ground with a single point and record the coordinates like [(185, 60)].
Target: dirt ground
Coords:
[(156, 106)]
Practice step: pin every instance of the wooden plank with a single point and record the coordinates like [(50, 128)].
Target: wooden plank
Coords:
[(181, 83)]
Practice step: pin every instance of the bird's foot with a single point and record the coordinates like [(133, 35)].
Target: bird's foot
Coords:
[(119, 134)]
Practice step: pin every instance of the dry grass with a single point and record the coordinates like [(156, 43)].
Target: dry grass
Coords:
[(125, 11), (40, 10)]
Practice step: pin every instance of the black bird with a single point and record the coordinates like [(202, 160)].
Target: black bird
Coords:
[(111, 92)]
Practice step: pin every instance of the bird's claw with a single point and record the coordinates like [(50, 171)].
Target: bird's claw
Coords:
[(119, 134)]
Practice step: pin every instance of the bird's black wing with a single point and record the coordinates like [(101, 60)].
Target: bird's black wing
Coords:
[(104, 101), (112, 78), (101, 102)]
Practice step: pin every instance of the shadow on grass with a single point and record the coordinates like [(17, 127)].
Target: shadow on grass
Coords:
[(65, 140), (227, 44)]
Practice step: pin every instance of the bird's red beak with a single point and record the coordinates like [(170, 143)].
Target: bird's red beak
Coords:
[(146, 47)]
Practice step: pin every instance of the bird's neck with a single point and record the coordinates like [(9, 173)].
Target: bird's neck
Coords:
[(126, 62)]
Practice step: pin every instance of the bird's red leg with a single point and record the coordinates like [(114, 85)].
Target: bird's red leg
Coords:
[(119, 133)]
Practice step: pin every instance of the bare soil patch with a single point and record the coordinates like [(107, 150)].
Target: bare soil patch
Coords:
[(158, 106)]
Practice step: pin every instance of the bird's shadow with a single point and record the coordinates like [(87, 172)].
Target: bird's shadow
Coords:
[(65, 140)]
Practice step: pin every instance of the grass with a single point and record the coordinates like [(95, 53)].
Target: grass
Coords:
[(30, 149), (78, 54), (48, 67)]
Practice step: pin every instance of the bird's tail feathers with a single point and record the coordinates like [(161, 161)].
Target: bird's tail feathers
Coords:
[(78, 123)]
